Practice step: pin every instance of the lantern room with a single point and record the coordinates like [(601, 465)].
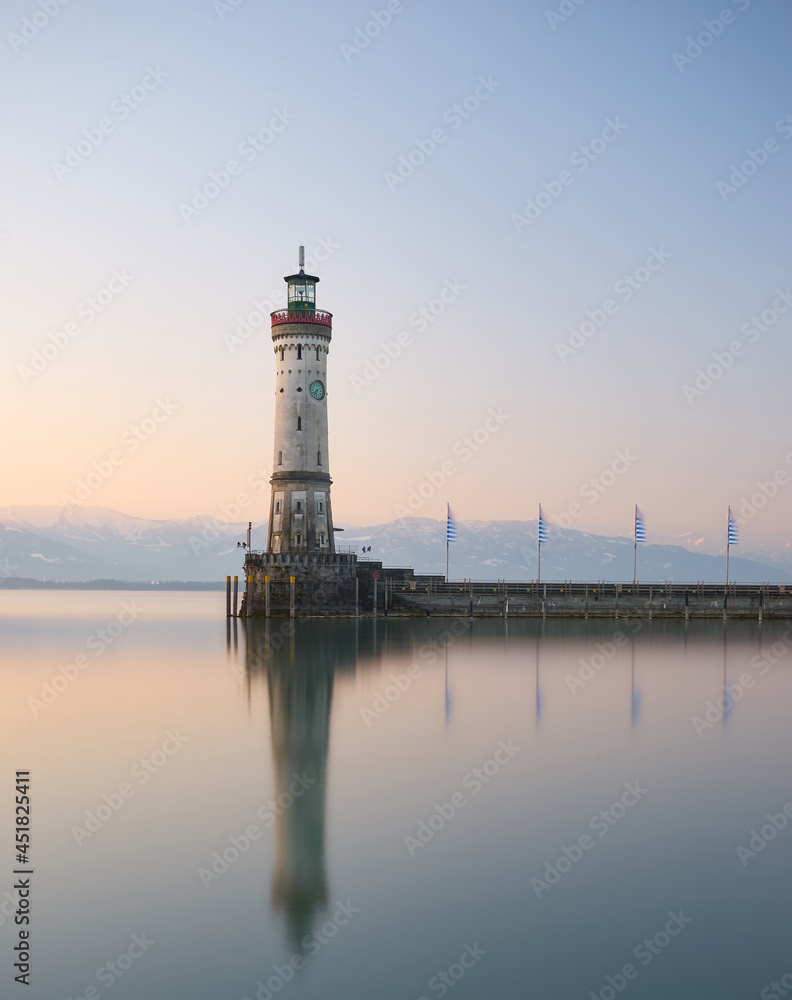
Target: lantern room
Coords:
[(302, 288)]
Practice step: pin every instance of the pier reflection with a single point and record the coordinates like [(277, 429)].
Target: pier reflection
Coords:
[(300, 662)]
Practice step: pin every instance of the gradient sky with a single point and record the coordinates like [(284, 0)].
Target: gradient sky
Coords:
[(394, 248)]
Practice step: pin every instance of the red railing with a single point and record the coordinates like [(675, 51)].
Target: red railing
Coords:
[(303, 316)]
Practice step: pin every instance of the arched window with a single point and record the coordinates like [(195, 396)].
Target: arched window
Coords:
[(317, 353), (280, 458), (299, 352), (299, 538)]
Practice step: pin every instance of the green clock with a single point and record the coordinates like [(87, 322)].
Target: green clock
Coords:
[(317, 389)]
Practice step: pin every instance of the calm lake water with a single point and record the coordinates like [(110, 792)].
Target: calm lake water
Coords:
[(396, 810)]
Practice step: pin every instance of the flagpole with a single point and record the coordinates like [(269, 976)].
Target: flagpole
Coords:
[(635, 544), (728, 546), (448, 517), (539, 535)]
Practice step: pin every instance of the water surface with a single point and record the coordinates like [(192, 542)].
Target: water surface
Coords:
[(373, 801)]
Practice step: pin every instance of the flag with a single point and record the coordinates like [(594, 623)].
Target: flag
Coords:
[(734, 535), (543, 536), (451, 527), (640, 526)]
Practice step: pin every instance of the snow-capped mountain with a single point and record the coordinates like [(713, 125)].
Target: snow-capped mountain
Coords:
[(76, 543)]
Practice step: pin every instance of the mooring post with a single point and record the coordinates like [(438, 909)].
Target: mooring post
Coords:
[(236, 597), (585, 605), (687, 609), (616, 599), (761, 604), (228, 597), (267, 597), (292, 580)]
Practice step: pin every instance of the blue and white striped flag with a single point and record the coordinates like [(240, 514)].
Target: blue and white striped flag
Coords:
[(734, 534), (640, 526), (451, 527), (543, 535)]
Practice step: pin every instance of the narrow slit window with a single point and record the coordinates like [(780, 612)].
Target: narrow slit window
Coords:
[(281, 350), (318, 458), (299, 352), (299, 506), (321, 507), (280, 458), (277, 506), (299, 538), (317, 353), (299, 423)]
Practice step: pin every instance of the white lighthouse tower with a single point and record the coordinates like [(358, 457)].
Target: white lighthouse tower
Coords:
[(301, 519)]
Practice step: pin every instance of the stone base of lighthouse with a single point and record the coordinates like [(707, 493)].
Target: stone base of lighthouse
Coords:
[(329, 584), (324, 584)]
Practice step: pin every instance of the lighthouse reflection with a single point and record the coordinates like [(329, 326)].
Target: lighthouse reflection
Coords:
[(299, 666)]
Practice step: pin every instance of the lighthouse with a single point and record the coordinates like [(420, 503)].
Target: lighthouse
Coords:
[(301, 571), (301, 520)]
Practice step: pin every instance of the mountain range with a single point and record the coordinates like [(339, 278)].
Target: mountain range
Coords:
[(78, 543)]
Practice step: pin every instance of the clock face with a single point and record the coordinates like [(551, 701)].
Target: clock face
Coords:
[(317, 389)]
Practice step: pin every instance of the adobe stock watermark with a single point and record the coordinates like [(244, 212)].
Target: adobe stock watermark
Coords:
[(7, 568), (752, 330), (112, 802), (246, 324), (271, 644), (625, 288), (645, 953), (754, 161), (312, 944), (248, 150), (759, 839), (225, 7), (446, 979), (778, 989), (563, 12), (766, 489), (97, 642), (464, 449), (32, 26), (421, 320), (606, 653), (597, 486), (222, 860), (109, 973), (761, 664), (455, 117), (712, 29), (582, 158), (88, 310), (121, 108), (226, 519), (601, 823), (474, 781), (365, 34), (129, 442), (403, 682)]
